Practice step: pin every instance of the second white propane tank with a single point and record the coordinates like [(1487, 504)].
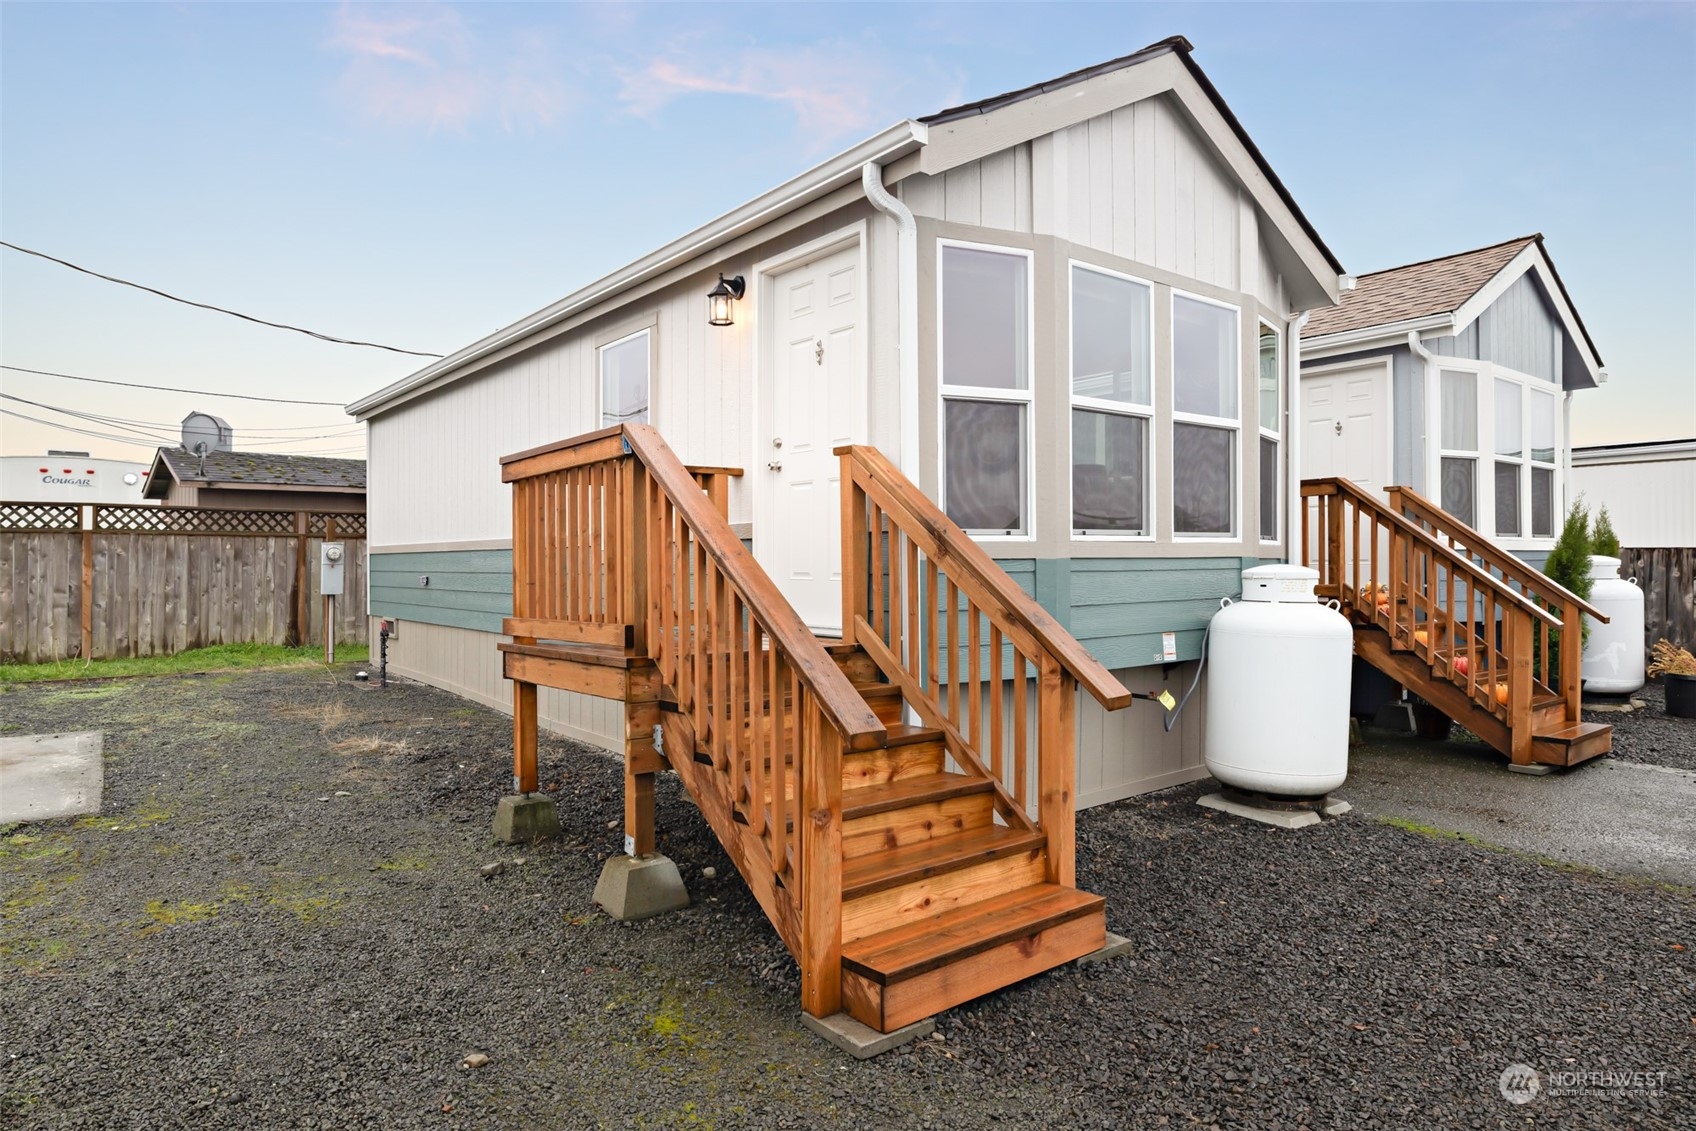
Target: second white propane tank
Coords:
[(1278, 686), (1613, 656)]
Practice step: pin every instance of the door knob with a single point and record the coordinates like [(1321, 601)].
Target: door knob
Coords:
[(1339, 427), (777, 441), (775, 465)]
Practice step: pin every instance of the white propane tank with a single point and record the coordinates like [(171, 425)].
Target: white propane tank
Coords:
[(1613, 656), (1278, 686)]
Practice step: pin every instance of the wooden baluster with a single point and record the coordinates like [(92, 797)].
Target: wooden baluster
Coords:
[(633, 554), (779, 771), (1021, 729), (914, 635), (1394, 589), (933, 650), (1306, 536), (952, 707), (717, 661), (738, 688), (883, 579), (897, 598), (1449, 605), (593, 608), (973, 730), (1377, 577), (1056, 769), (759, 729), (520, 552), (819, 832), (1334, 540), (698, 634), (997, 704), (855, 562)]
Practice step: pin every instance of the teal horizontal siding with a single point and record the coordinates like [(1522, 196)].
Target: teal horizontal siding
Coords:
[(1117, 607), (468, 588)]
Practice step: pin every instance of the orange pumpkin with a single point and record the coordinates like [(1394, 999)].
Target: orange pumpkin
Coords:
[(1502, 694)]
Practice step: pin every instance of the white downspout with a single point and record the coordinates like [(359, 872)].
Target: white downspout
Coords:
[(1292, 431), (907, 303), (1431, 476), (1566, 456)]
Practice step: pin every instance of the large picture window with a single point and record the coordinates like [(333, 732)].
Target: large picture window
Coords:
[(1206, 417), (1459, 438), (1270, 406), (1112, 352), (986, 387), (624, 381)]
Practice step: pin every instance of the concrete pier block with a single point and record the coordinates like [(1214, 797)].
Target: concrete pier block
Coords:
[(524, 817), (639, 887)]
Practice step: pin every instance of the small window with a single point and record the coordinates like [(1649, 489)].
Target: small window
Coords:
[(1510, 451), (986, 388), (1459, 438), (1542, 502), (624, 381), (1206, 377), (1544, 448), (1112, 354), (1507, 500), (1460, 488)]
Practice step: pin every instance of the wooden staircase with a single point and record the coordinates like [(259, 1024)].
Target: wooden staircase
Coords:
[(1461, 623), (909, 867)]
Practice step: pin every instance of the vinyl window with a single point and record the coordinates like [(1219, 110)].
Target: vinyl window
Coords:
[(1206, 417), (1112, 363), (624, 380), (986, 365), (1458, 463)]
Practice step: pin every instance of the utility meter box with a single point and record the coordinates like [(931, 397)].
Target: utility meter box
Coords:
[(331, 557)]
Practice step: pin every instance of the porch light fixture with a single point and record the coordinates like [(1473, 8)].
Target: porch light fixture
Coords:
[(721, 300)]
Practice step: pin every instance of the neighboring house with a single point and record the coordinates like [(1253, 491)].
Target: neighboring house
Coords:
[(1068, 313), (1453, 377), (256, 481), (1649, 489)]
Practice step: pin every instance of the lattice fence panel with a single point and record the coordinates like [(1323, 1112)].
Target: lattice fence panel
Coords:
[(39, 516), (347, 525), (191, 520)]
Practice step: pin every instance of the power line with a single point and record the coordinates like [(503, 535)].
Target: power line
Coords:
[(136, 426), (134, 443), (217, 309), (166, 388)]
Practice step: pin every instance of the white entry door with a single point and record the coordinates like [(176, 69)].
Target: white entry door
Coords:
[(1346, 425), (811, 399), (1345, 417)]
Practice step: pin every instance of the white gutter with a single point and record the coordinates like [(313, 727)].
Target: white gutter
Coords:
[(836, 173), (907, 301), (1432, 474), (1292, 430), (1373, 335)]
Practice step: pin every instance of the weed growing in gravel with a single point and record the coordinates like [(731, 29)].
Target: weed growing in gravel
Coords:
[(144, 815), (169, 914)]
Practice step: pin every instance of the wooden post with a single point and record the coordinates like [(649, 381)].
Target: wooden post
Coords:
[(300, 630), (641, 762), (1332, 571), (1572, 657), (857, 558), (524, 737), (820, 834), (633, 492), (1057, 700), (86, 515), (1518, 629)]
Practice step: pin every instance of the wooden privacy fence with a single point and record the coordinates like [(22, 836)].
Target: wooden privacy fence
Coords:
[(106, 581), (1668, 579)]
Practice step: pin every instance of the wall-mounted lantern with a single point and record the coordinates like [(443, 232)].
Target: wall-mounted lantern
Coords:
[(721, 300)]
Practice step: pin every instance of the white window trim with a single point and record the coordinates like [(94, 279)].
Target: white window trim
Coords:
[(1117, 408), (1272, 434), (601, 373), (1236, 537), (1484, 482), (1025, 396)]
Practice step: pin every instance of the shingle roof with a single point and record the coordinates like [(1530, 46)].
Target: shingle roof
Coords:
[(1434, 286), (266, 468)]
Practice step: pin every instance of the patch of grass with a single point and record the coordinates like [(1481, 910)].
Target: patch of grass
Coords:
[(1407, 825), (220, 658), (169, 914), (144, 815)]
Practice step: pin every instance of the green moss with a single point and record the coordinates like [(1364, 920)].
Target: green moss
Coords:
[(144, 815), (220, 658), (405, 863), (169, 914)]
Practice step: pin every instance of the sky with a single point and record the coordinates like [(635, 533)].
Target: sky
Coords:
[(418, 175)]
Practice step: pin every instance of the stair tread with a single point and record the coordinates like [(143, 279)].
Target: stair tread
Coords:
[(922, 945), (903, 792), (883, 870), (1572, 732), (902, 734)]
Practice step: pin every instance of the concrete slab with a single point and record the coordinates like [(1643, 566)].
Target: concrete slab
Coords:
[(51, 775), (1618, 816), (862, 1042), (1115, 946), (1278, 818), (640, 887)]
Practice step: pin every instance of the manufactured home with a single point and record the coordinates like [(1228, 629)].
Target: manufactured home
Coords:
[(1454, 378), (1067, 313)]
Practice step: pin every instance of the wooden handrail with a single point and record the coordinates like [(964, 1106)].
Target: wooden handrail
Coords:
[(1366, 501), (844, 707), (1404, 500), (997, 592)]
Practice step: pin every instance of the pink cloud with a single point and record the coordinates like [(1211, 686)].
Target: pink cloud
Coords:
[(423, 65), (834, 89)]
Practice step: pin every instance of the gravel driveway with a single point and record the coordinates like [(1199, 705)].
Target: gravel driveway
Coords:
[(279, 921), (1651, 735)]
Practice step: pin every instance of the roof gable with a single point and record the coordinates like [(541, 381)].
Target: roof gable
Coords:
[(1415, 290)]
